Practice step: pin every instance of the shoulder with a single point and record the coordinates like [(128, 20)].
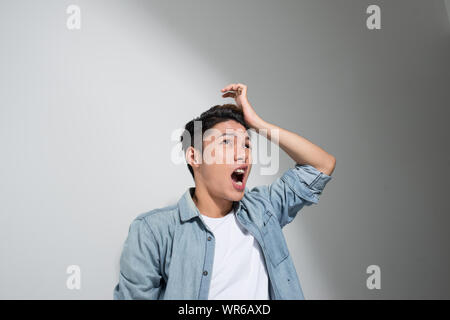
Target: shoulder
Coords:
[(160, 218)]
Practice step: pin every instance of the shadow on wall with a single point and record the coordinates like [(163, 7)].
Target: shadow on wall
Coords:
[(447, 4)]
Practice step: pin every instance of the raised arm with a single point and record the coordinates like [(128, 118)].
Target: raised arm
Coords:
[(298, 186), (301, 150)]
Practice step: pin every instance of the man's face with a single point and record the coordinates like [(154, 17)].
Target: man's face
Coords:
[(226, 162)]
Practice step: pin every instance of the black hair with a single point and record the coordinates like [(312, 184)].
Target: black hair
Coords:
[(209, 118)]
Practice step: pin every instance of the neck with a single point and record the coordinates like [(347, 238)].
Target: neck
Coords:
[(209, 205)]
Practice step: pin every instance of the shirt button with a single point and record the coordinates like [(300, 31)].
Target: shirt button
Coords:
[(205, 273), (209, 238)]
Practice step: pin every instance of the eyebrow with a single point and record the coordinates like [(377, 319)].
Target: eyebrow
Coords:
[(232, 134)]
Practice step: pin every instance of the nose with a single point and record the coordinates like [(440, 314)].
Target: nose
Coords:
[(240, 153)]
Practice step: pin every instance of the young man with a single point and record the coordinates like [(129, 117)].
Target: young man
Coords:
[(222, 240)]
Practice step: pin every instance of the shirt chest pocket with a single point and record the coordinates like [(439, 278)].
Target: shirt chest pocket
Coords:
[(273, 238)]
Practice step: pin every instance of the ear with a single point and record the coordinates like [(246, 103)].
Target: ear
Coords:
[(193, 157)]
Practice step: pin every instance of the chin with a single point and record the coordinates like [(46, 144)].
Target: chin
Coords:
[(236, 195)]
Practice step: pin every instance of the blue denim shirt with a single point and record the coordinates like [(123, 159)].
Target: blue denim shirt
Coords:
[(169, 252)]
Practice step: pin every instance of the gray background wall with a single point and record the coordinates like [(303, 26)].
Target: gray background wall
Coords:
[(86, 119)]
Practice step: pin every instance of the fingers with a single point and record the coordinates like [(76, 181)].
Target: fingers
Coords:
[(241, 88), (229, 87), (229, 94)]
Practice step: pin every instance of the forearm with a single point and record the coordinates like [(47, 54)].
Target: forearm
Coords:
[(301, 150)]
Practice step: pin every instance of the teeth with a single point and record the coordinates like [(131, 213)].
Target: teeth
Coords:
[(240, 171), (239, 183)]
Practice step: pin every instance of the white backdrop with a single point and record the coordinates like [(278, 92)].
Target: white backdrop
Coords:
[(86, 118)]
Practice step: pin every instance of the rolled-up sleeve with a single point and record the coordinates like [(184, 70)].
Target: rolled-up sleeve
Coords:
[(298, 186), (139, 276)]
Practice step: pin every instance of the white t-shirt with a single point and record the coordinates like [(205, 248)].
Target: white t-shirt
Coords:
[(239, 270)]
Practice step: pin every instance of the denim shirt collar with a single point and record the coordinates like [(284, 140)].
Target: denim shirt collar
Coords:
[(189, 210)]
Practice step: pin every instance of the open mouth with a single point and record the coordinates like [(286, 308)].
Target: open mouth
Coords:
[(238, 177)]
